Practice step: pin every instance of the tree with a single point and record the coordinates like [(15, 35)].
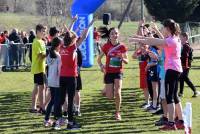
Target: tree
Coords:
[(179, 10), (195, 15), (3, 4), (53, 9)]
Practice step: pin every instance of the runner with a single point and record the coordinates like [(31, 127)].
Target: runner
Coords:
[(116, 54)]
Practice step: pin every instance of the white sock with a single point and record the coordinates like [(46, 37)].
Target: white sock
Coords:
[(154, 103), (77, 107)]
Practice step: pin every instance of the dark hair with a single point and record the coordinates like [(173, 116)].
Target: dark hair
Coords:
[(32, 32), (54, 43), (53, 31), (39, 27), (105, 32), (69, 36), (5, 32), (185, 34), (173, 26), (147, 25), (155, 36)]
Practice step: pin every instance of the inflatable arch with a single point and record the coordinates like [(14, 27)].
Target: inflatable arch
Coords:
[(85, 9)]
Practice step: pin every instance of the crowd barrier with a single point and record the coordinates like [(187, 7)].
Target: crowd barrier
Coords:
[(14, 56)]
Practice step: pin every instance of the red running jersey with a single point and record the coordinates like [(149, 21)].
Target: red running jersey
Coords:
[(69, 61), (113, 63)]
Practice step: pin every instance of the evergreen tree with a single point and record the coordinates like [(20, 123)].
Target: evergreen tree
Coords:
[(196, 14), (179, 10)]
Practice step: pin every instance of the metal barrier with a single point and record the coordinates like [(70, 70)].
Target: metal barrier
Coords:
[(15, 55)]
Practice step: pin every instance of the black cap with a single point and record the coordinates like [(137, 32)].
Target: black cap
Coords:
[(53, 31)]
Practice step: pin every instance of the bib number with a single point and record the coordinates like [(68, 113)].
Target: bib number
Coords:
[(115, 62)]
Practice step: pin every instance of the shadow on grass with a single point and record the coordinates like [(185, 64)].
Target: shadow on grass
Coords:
[(97, 115), (97, 69)]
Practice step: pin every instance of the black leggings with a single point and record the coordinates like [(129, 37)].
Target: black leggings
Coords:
[(184, 78), (171, 86), (67, 86), (51, 103)]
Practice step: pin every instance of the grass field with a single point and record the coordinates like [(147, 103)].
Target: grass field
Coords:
[(97, 111)]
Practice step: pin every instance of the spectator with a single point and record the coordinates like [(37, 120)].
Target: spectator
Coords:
[(186, 66), (96, 35), (4, 37), (54, 63), (30, 40), (38, 69), (172, 48), (23, 48), (14, 48)]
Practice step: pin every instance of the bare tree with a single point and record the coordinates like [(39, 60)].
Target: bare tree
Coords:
[(55, 11)]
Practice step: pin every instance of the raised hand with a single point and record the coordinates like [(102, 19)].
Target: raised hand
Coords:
[(65, 27), (75, 18), (154, 26)]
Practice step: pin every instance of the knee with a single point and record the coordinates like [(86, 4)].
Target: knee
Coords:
[(110, 96)]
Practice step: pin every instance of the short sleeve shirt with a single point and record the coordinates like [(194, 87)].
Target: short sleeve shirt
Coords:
[(113, 63), (173, 53), (69, 61), (38, 64)]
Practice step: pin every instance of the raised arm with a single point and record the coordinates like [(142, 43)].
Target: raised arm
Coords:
[(148, 41), (74, 19), (152, 55), (140, 28), (155, 28), (84, 34)]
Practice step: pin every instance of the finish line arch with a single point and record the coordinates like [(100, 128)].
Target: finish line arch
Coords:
[(85, 9)]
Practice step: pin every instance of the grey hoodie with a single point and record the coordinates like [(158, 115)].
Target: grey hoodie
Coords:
[(54, 65)]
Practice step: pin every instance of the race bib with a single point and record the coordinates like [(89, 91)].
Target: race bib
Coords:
[(115, 62)]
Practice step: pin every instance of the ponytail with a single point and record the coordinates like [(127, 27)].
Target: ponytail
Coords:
[(173, 27), (55, 43), (105, 32)]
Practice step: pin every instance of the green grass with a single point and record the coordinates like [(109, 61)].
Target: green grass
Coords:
[(97, 111), (20, 21), (24, 21)]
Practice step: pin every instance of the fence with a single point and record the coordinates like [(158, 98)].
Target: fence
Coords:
[(14, 56), (193, 28)]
